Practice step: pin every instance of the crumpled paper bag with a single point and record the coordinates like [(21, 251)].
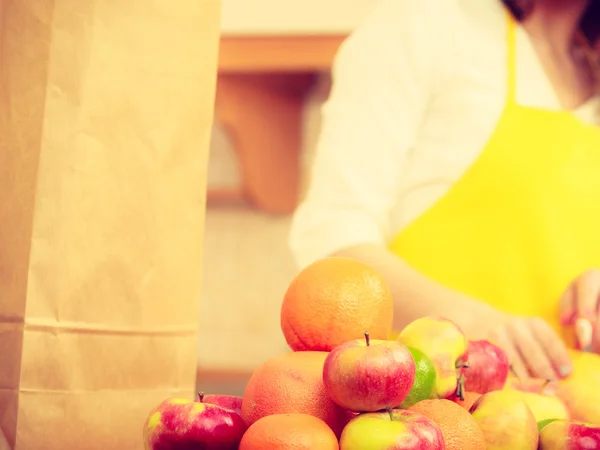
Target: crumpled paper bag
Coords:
[(105, 117)]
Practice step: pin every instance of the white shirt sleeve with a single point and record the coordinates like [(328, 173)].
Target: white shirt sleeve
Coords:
[(383, 77)]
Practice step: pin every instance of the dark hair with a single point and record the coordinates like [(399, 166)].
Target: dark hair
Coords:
[(590, 22)]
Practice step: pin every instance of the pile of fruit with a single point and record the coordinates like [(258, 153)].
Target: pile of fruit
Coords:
[(347, 385)]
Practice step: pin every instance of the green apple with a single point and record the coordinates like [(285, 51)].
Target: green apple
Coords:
[(444, 343), (540, 396), (544, 407), (392, 429), (506, 421)]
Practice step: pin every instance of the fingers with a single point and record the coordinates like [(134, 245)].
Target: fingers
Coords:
[(503, 340), (531, 350), (596, 339), (553, 346), (534, 349), (587, 288), (580, 308), (568, 312), (517, 364), (539, 385)]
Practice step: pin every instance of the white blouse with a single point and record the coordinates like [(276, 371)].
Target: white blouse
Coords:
[(417, 91)]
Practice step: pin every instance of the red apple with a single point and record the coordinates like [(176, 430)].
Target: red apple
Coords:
[(506, 421), (488, 367), (369, 375), (569, 435), (393, 429), (232, 402), (182, 424)]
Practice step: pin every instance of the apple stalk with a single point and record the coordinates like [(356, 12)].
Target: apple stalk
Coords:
[(461, 379), (511, 368), (544, 385), (390, 413)]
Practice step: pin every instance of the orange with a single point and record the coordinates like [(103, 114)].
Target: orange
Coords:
[(459, 428), (289, 432), (291, 383), (335, 300), (470, 398)]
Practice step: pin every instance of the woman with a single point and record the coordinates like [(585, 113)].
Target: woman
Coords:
[(460, 156)]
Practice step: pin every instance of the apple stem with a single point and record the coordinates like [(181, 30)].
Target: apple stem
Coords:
[(367, 338), (462, 365), (389, 411), (512, 370), (546, 383), (460, 387), (201, 397)]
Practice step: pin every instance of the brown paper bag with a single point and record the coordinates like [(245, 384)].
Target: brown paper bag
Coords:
[(105, 117)]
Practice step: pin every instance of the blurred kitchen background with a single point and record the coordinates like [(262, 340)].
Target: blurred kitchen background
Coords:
[(274, 66)]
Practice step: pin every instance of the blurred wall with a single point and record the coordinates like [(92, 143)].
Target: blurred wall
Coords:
[(292, 16)]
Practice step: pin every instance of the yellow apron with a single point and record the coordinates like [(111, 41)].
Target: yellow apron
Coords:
[(524, 220)]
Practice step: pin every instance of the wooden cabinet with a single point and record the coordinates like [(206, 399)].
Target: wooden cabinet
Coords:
[(261, 88)]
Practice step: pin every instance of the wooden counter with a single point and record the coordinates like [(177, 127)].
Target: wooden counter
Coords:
[(262, 84)]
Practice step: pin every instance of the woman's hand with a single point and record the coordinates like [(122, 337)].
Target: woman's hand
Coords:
[(580, 305), (533, 347)]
